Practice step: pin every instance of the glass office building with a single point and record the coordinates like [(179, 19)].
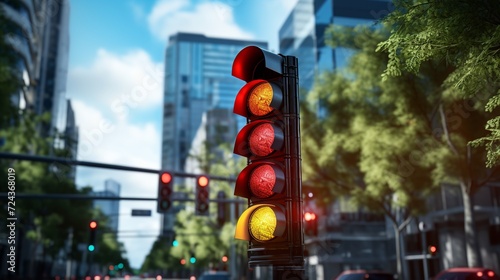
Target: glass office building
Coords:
[(197, 79), (302, 33)]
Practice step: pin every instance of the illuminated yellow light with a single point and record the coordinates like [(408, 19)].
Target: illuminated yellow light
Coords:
[(259, 100), (263, 224)]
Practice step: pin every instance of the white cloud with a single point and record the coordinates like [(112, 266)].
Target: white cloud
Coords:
[(115, 85), (214, 19), (118, 135)]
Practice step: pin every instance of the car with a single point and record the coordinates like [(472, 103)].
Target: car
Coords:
[(362, 274), (467, 273)]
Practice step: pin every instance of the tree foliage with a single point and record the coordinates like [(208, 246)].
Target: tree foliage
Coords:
[(464, 34), (389, 143)]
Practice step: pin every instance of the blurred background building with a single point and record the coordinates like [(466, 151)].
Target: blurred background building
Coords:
[(110, 208), (35, 36)]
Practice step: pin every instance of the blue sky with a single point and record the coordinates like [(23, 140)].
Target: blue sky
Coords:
[(115, 82)]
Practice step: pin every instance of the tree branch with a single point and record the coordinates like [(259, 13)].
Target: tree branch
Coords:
[(445, 130)]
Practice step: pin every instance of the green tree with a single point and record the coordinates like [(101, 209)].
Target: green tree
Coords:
[(46, 222), (465, 34), (11, 82), (386, 143)]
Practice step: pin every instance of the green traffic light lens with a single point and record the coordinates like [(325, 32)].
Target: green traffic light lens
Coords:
[(91, 248)]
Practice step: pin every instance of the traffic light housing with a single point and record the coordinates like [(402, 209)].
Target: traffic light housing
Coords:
[(202, 193), (273, 222), (92, 236), (165, 190), (310, 223)]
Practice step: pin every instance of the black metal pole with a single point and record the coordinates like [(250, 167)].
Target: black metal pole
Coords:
[(68, 161)]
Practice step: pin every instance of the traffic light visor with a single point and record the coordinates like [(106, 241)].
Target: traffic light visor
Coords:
[(253, 62), (261, 222), (258, 98)]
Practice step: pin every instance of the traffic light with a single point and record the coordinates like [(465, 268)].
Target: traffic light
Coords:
[(432, 250), (273, 222), (311, 223), (202, 191), (92, 236), (165, 189)]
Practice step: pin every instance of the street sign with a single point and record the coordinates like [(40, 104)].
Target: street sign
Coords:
[(141, 212)]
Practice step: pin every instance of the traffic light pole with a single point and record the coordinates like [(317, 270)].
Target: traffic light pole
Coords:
[(294, 198)]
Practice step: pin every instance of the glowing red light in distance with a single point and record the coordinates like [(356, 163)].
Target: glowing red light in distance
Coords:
[(93, 224), (166, 178), (491, 274), (183, 261), (432, 249), (202, 181), (262, 181), (479, 274), (261, 139), (224, 259), (309, 216)]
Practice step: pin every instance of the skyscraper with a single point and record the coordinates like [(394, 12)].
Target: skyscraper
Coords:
[(302, 33), (51, 89), (197, 79), (109, 208)]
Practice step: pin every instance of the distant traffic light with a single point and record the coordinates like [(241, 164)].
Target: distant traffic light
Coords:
[(92, 236), (432, 249), (202, 193), (165, 189), (273, 224), (311, 224)]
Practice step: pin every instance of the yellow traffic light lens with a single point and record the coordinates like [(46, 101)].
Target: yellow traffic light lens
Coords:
[(259, 99), (263, 223), (261, 140), (262, 181)]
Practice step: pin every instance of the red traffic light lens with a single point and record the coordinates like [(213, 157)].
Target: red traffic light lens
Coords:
[(262, 181), (308, 216), (166, 178), (93, 225), (261, 140), (203, 181), (432, 249)]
